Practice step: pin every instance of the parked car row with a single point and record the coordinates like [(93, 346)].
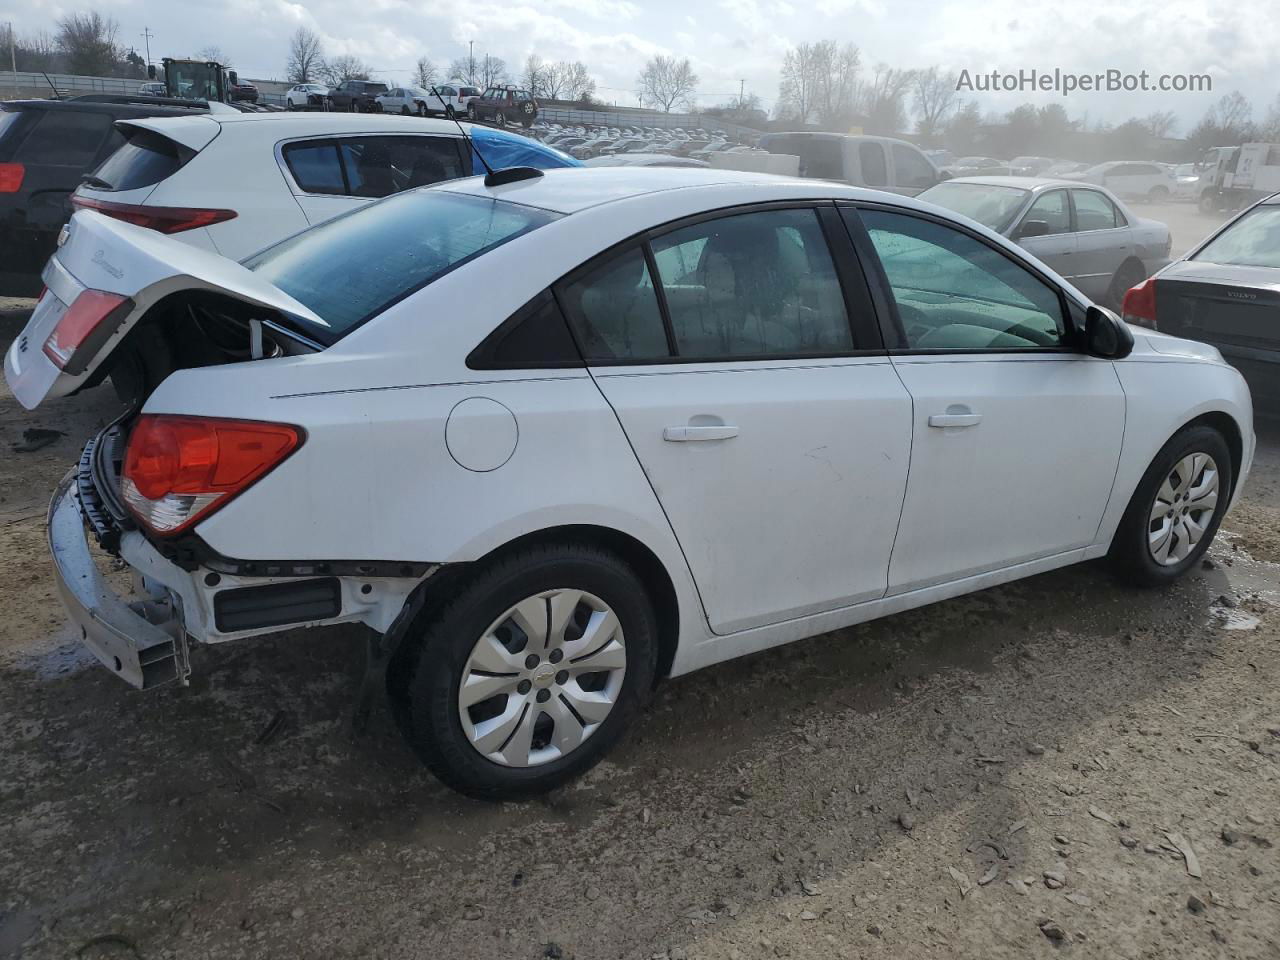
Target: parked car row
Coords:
[(590, 142)]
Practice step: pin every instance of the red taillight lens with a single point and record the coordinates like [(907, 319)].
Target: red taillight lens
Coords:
[(11, 175), (80, 332), (164, 219), (1140, 304), (178, 470)]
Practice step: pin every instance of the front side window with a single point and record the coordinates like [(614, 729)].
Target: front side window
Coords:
[(754, 284), (954, 292), (1095, 212), (353, 267), (1051, 208), (912, 169)]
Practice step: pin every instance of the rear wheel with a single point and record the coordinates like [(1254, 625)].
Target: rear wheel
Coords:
[(1158, 194), (1175, 510), (472, 113), (1128, 274), (530, 673), (500, 118), (422, 109), (404, 110), (353, 107)]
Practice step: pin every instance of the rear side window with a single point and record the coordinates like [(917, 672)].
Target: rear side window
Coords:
[(1095, 212), (65, 138), (9, 120), (912, 169), (871, 158), (614, 311), (373, 167), (353, 267), (145, 159)]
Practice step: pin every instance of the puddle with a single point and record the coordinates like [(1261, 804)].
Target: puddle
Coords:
[(1230, 619)]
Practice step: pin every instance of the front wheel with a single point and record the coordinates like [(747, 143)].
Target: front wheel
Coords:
[(500, 118), (530, 673), (473, 114), (353, 107), (1128, 274), (1175, 510)]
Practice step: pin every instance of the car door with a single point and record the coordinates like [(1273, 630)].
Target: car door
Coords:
[(873, 166), (1105, 240), (774, 431), (1016, 434), (912, 171), (1126, 180), (1057, 245)]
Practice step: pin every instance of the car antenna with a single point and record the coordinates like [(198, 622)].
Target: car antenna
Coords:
[(493, 178)]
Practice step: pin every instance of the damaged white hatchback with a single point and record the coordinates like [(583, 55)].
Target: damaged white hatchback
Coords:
[(553, 437)]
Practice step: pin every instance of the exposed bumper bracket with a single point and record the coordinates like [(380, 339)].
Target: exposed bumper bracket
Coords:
[(143, 643)]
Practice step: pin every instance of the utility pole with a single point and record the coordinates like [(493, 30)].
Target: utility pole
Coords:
[(146, 36), (471, 62), (742, 86), (13, 58)]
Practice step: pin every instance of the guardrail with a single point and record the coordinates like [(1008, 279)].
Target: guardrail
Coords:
[(66, 84)]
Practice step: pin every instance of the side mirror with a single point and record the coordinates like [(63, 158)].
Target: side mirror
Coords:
[(233, 77), (151, 71), (1106, 335), (1033, 228)]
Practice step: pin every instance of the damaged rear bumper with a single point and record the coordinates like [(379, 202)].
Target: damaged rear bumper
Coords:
[(142, 642)]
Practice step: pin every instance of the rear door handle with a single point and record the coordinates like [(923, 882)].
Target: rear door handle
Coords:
[(686, 434), (955, 419)]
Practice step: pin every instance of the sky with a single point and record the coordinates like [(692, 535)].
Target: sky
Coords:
[(740, 44)]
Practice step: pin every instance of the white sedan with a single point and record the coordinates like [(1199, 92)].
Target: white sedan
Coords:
[(556, 437), (307, 96)]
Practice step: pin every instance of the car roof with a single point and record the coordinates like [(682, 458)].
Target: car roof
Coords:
[(128, 110), (568, 190), (1025, 183), (310, 124)]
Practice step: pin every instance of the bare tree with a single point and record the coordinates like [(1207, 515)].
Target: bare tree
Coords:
[(881, 98), (89, 42), (578, 84), (935, 98), (214, 53), (1232, 112), (306, 57), (1161, 124), (800, 81), (463, 69), (532, 78), (425, 73), (835, 71), (667, 81), (346, 67), (1227, 122), (491, 71), (1270, 130)]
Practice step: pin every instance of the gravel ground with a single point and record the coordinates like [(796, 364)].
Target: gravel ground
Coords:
[(1061, 763)]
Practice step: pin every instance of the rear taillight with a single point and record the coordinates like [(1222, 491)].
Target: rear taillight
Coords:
[(89, 321), (1140, 304), (164, 219), (11, 175), (178, 470)]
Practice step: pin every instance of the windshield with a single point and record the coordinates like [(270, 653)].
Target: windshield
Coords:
[(197, 81), (1252, 241), (352, 268), (990, 205)]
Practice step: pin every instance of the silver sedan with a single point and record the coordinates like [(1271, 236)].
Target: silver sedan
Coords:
[(1083, 232)]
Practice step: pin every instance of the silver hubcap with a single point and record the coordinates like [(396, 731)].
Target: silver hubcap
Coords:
[(1183, 509), (542, 678)]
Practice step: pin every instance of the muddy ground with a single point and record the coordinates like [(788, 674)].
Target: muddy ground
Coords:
[(970, 780)]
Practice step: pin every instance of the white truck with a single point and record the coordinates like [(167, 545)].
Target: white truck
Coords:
[(1231, 178)]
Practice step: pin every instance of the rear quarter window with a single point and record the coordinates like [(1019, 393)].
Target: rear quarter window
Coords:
[(145, 159)]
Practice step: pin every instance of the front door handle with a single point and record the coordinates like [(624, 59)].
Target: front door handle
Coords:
[(720, 431), (955, 419)]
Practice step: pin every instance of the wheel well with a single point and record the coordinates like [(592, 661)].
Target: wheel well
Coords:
[(648, 567), (1230, 430)]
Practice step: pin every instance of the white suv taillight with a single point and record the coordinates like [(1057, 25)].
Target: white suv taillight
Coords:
[(178, 470)]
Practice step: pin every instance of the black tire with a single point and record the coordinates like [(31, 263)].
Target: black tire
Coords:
[(404, 110), (1208, 202), (353, 107), (423, 681), (500, 118), (422, 109), (472, 113), (1130, 554), (1158, 194), (1128, 274)]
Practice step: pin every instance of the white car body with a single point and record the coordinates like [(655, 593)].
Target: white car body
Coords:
[(242, 163), (833, 490), (302, 96), (1131, 179)]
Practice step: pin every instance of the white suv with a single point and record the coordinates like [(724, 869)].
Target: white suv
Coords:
[(554, 437), (235, 183)]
